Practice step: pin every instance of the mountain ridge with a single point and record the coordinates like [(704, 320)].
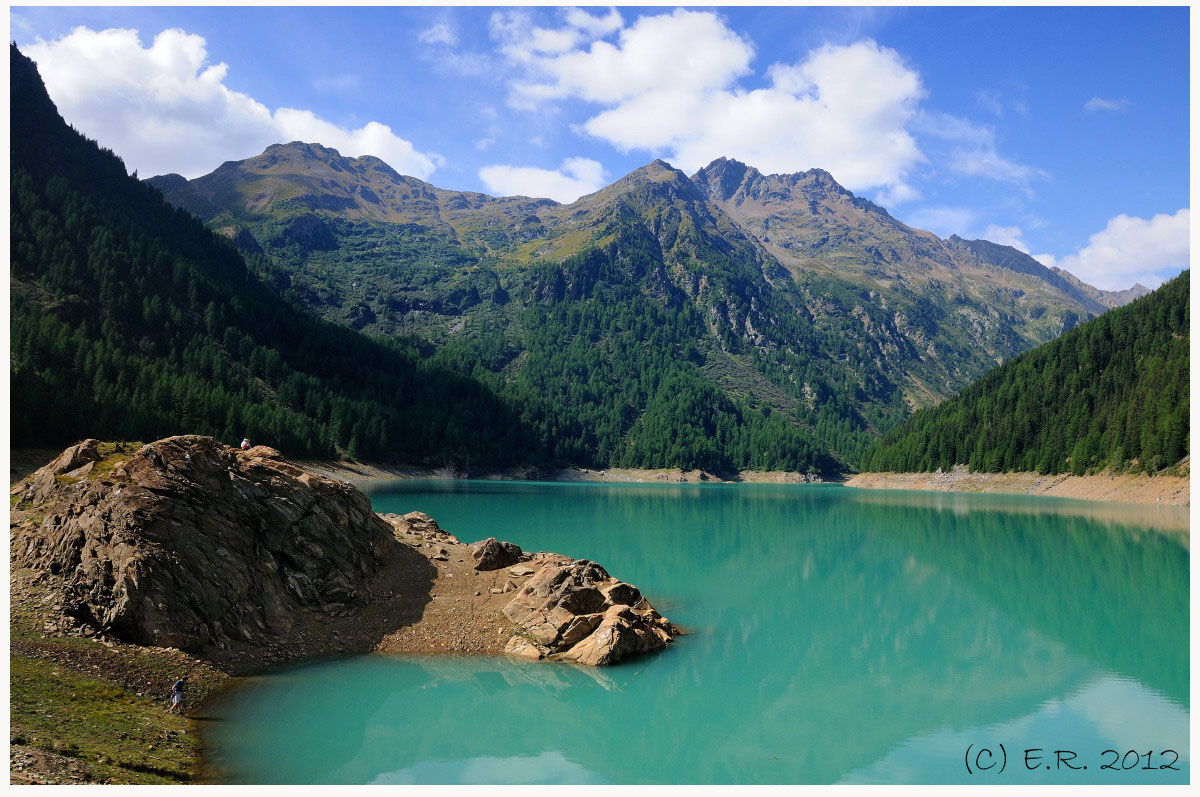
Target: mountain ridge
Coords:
[(815, 184), (807, 300)]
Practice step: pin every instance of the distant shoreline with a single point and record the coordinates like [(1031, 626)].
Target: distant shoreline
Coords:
[(1123, 488), (1138, 488), (357, 473)]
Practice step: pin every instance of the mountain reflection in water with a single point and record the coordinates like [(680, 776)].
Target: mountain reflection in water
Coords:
[(837, 635)]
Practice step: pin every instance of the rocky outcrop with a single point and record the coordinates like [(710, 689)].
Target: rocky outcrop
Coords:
[(189, 543), (492, 554), (247, 560), (573, 610)]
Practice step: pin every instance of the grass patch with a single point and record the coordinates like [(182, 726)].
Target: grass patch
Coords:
[(120, 736), (112, 454)]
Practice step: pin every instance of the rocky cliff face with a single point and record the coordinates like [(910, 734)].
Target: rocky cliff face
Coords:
[(189, 543)]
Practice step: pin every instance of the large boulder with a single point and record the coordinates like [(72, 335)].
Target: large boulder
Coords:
[(573, 610), (492, 554), (189, 543)]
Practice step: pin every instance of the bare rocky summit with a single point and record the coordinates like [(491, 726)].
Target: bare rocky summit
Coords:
[(244, 559)]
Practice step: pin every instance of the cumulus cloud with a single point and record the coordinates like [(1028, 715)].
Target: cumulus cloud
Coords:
[(1131, 249), (897, 194), (162, 109), (1009, 236), (573, 178), (669, 86), (595, 26), (1101, 104)]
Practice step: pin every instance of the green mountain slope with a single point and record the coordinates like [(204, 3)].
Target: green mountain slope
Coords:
[(782, 294), (129, 319), (1111, 393)]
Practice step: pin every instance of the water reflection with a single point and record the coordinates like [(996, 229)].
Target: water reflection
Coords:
[(838, 635)]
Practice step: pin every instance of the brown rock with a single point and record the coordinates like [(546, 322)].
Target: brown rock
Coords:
[(492, 554), (523, 648), (621, 634), (575, 611), (191, 543)]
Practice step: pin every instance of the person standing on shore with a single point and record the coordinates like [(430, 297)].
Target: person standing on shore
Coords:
[(177, 696)]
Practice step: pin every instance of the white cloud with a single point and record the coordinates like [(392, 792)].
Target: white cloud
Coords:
[(1101, 104), (945, 221), (1009, 236), (1130, 249), (163, 110), (973, 151), (573, 178), (441, 33), (441, 39), (526, 43), (595, 26), (897, 194), (669, 86), (686, 51)]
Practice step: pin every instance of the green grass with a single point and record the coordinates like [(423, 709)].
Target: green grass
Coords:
[(112, 454), (122, 737)]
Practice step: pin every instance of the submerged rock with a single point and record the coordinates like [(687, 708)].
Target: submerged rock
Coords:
[(573, 610)]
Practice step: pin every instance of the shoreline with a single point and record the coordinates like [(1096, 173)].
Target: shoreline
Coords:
[(358, 473), (1135, 488)]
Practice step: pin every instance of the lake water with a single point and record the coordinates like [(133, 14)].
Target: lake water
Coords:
[(837, 636)]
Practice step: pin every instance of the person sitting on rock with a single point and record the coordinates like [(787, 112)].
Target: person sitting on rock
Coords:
[(177, 696), (245, 443)]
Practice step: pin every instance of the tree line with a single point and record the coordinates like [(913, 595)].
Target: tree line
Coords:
[(1110, 394), (131, 320)]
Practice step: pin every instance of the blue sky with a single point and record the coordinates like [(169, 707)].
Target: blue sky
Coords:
[(1063, 131)]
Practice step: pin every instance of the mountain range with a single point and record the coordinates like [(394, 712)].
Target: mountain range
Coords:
[(129, 320), (725, 320), (786, 295)]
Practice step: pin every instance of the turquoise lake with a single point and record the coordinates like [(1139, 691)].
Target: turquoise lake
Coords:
[(836, 636)]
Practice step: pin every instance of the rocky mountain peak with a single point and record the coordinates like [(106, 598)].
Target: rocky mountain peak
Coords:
[(656, 182), (729, 181), (724, 177)]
